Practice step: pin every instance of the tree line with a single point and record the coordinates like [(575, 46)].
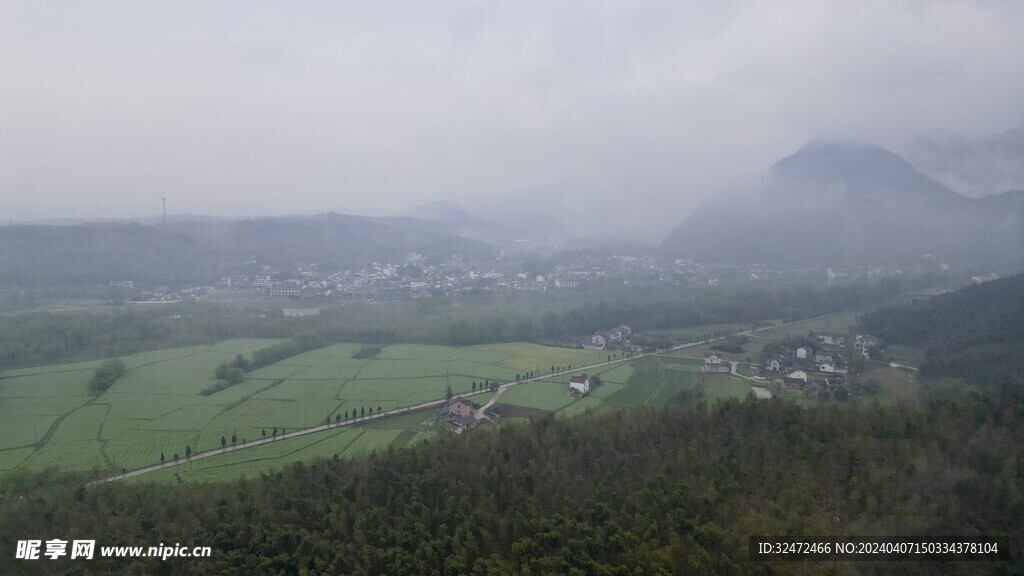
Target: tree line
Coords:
[(42, 338)]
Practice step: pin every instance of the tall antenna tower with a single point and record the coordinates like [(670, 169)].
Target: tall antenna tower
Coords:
[(164, 200)]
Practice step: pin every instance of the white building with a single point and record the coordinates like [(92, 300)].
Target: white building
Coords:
[(797, 375), (803, 352), (580, 384)]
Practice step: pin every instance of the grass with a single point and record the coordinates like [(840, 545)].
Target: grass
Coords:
[(345, 442), (546, 395), (723, 387), (156, 406), (909, 355), (888, 384)]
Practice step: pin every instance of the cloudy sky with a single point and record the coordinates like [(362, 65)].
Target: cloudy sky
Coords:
[(248, 107)]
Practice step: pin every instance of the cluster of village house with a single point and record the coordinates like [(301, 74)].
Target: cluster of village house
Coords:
[(606, 338), (818, 371)]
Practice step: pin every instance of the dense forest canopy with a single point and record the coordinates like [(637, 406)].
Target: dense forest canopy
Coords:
[(676, 490), (976, 333)]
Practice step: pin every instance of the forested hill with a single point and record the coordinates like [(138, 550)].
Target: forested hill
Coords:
[(845, 204), (197, 251), (976, 333), (677, 490)]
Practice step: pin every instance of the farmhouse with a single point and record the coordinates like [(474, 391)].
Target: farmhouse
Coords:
[(804, 352), (863, 343), (579, 385), (797, 375), (459, 424), (831, 340), (459, 407), (604, 337), (715, 365)]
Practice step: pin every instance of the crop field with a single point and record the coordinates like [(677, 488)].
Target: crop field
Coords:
[(724, 387), (618, 374), (21, 431), (50, 416), (522, 357), (579, 407), (647, 381), (81, 424), (10, 459), (544, 395), (841, 323), (345, 442)]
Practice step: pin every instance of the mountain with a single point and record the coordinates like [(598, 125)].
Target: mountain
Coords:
[(850, 204), (198, 251), (978, 166)]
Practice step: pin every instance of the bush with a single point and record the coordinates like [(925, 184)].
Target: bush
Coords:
[(107, 373)]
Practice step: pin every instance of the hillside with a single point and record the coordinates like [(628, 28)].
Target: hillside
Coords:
[(979, 166), (846, 204), (976, 333), (677, 490), (197, 251)]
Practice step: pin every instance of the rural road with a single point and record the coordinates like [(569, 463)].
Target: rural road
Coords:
[(480, 413), (279, 437)]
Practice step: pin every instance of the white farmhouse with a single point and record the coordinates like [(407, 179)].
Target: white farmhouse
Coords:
[(797, 375), (580, 384)]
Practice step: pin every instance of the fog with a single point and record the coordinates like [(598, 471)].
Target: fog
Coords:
[(254, 108)]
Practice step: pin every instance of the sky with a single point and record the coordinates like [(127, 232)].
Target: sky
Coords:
[(258, 108)]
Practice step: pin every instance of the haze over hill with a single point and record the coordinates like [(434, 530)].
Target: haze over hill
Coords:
[(567, 210), (841, 204), (196, 251), (976, 166)]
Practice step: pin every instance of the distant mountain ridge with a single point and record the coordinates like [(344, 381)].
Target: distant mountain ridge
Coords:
[(864, 169), (976, 166), (844, 204), (197, 251)]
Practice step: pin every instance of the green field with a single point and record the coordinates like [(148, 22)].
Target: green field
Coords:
[(344, 442), (648, 381), (908, 355), (841, 323), (49, 417)]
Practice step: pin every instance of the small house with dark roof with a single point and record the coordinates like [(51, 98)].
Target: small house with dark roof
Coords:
[(579, 385)]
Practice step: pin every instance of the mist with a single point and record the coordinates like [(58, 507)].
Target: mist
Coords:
[(259, 108)]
